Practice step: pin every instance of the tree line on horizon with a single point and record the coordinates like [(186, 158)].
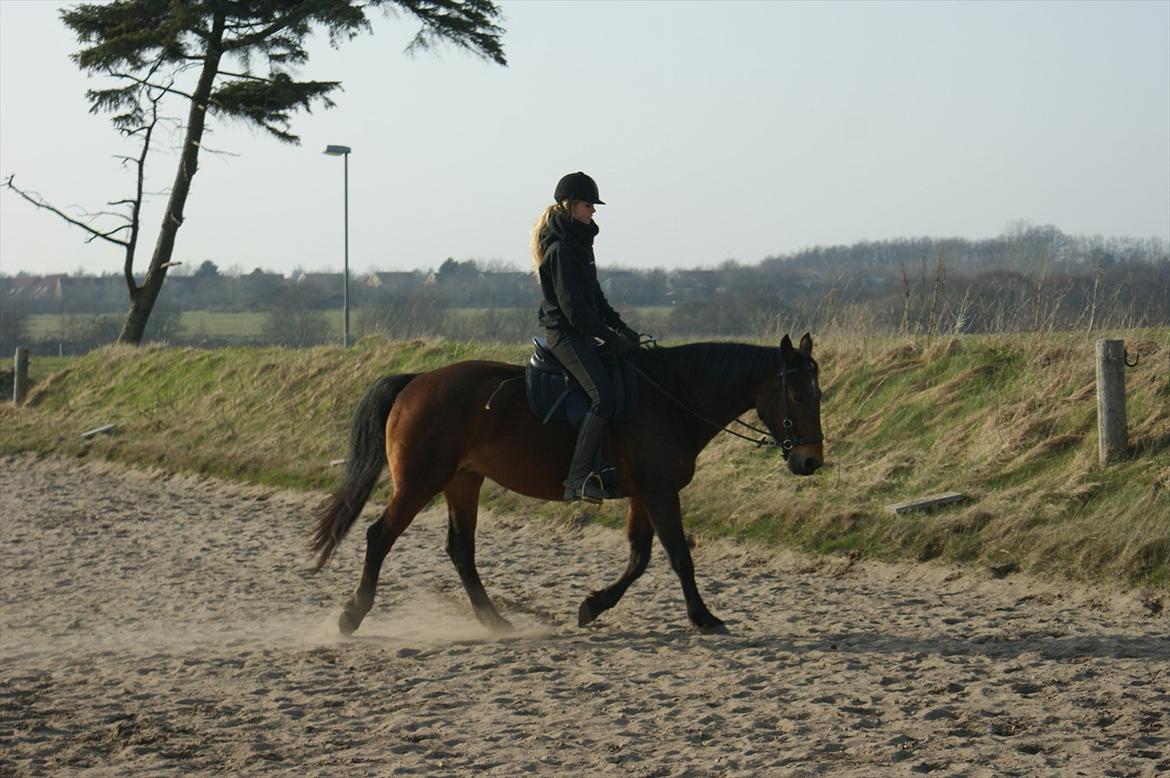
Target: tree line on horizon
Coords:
[(1029, 278)]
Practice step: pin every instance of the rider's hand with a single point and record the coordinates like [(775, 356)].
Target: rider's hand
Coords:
[(621, 346), (627, 332)]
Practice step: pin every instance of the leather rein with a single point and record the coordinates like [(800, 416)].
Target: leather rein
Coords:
[(767, 438)]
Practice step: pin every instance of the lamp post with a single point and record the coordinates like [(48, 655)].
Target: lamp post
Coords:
[(343, 151)]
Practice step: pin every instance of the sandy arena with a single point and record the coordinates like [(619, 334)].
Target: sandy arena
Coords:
[(155, 624)]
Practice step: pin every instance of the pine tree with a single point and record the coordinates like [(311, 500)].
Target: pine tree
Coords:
[(149, 47)]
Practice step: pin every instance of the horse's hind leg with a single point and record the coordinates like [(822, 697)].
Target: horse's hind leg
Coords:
[(641, 535), (462, 514), (380, 538)]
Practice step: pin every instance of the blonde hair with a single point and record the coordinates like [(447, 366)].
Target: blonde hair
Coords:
[(541, 223)]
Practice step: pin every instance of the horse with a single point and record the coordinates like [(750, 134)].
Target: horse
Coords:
[(448, 429)]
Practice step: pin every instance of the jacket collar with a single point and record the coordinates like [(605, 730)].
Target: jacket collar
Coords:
[(561, 226)]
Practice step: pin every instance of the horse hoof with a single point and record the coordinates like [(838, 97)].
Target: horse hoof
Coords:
[(500, 625), (713, 627), (348, 622), (586, 614)]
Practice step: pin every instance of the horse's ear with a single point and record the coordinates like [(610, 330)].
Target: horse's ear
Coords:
[(806, 344), (786, 346)]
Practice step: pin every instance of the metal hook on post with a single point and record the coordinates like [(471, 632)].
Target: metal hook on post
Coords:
[(1137, 358)]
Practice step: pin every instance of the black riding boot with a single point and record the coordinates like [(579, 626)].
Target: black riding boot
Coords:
[(583, 483)]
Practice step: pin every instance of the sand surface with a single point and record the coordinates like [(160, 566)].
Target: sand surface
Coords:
[(155, 624)]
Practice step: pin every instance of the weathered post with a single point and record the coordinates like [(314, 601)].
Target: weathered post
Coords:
[(1112, 439), (20, 385)]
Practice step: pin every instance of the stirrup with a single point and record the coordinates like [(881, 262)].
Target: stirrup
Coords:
[(591, 490)]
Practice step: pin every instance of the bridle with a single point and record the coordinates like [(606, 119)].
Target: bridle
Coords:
[(790, 442), (767, 438)]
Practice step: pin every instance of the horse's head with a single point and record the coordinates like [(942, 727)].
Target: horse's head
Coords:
[(790, 404)]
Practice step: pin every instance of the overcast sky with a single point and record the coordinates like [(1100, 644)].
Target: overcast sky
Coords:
[(715, 130)]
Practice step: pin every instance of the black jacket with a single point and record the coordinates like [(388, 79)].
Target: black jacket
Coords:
[(573, 300)]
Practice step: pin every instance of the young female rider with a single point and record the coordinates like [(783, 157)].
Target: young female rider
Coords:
[(576, 315)]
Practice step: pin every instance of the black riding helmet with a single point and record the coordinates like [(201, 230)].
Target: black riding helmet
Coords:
[(577, 186)]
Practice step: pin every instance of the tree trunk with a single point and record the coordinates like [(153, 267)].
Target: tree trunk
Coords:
[(142, 298)]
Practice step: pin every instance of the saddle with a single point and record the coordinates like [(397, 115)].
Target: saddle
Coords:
[(554, 395)]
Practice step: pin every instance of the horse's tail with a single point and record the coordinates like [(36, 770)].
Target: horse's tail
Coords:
[(367, 457)]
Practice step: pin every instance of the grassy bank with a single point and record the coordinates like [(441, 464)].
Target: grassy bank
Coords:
[(1007, 420)]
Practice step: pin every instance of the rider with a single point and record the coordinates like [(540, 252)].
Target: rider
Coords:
[(576, 315)]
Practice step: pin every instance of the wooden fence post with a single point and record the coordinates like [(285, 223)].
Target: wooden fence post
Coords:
[(1113, 438), (20, 385)]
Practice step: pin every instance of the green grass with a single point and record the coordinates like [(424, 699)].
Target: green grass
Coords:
[(1008, 421), (217, 324), (52, 326), (221, 325)]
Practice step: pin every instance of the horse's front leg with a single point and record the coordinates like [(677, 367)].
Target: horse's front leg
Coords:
[(641, 535), (666, 516)]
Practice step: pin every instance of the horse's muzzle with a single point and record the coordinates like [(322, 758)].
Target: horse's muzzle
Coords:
[(800, 464)]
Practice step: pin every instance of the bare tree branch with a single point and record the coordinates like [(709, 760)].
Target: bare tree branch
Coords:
[(151, 84), (39, 202), (244, 75), (94, 214), (109, 235), (220, 152), (136, 203)]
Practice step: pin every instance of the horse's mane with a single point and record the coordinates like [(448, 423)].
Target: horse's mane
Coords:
[(707, 365)]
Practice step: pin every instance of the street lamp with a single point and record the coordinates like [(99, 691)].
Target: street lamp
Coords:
[(343, 151)]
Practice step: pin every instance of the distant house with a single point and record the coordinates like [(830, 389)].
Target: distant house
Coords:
[(55, 293), (394, 281), (32, 289), (71, 288), (93, 293), (616, 279), (326, 281)]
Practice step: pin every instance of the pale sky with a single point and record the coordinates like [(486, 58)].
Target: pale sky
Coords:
[(715, 130)]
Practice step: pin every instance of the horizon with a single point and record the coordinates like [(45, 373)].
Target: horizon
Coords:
[(184, 270), (797, 126)]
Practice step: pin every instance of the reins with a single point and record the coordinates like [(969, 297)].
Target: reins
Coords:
[(763, 441), (766, 438)]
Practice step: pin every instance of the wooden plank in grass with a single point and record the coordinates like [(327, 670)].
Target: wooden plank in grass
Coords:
[(922, 503)]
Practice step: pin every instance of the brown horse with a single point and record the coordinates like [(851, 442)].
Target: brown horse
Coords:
[(447, 429)]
